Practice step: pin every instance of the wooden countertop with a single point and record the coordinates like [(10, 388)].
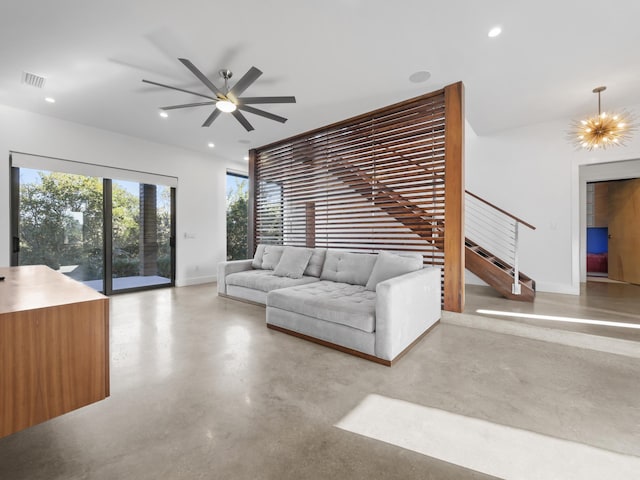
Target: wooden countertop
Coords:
[(37, 286)]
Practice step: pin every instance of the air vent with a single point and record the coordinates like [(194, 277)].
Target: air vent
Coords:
[(33, 80)]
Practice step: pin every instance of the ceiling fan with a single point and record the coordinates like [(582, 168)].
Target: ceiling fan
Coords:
[(228, 100)]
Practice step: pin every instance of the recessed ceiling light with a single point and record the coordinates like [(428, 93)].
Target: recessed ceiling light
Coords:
[(211, 145), (246, 157), (419, 77), (50, 100), (164, 114), (495, 31)]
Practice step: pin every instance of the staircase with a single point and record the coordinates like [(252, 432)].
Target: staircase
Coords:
[(497, 273), (491, 248), (491, 240)]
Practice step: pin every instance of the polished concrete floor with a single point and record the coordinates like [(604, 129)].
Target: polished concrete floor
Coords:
[(201, 389), (607, 301)]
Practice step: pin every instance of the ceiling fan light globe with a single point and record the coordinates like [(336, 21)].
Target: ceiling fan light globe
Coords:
[(226, 106)]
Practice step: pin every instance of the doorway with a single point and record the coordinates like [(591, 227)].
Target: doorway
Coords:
[(605, 195)]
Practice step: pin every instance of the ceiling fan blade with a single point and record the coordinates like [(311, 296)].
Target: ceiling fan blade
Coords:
[(179, 89), (262, 113), (256, 100), (187, 105), (201, 76), (244, 83), (241, 118), (211, 118)]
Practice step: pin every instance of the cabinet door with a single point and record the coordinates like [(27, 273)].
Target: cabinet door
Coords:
[(52, 360), (72, 369), (19, 395)]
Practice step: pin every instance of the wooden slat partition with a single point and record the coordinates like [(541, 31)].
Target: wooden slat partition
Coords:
[(391, 179)]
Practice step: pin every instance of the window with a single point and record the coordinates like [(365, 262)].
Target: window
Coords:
[(112, 235), (237, 215)]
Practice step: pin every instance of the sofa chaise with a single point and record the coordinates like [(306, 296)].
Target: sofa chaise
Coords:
[(375, 306)]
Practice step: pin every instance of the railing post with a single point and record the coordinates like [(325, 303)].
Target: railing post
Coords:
[(515, 288)]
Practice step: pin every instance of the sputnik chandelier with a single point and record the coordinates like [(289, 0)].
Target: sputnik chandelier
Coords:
[(602, 130)]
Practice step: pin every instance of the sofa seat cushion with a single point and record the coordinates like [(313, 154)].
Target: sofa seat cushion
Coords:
[(265, 280), (341, 303)]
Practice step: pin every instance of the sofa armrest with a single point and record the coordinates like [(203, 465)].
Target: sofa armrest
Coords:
[(406, 306), (227, 268)]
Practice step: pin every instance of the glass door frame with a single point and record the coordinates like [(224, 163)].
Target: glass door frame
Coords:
[(107, 204), (243, 176), (108, 244), (14, 206)]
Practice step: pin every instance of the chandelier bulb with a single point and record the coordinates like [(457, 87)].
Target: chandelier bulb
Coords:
[(603, 129)]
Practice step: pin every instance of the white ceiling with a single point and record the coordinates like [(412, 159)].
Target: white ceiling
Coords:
[(339, 58)]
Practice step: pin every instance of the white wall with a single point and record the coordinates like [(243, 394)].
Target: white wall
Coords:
[(200, 196), (534, 173)]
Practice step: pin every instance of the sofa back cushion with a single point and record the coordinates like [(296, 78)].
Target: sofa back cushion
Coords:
[(346, 267), (271, 256), (314, 267), (257, 257), (389, 265), (293, 262)]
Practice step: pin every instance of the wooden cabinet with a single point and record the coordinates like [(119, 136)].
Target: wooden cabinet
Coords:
[(54, 346)]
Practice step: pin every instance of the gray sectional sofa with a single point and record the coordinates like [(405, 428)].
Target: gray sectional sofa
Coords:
[(371, 305)]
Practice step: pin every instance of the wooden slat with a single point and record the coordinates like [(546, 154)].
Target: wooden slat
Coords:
[(376, 181), (357, 119)]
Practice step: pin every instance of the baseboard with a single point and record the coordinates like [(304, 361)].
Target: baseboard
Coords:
[(564, 288), (195, 280)]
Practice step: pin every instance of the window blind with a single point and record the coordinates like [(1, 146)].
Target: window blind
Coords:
[(38, 162)]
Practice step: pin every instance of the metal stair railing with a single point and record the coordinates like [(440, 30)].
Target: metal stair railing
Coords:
[(495, 231)]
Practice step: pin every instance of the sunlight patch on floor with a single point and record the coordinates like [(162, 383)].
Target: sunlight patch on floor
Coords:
[(555, 318), (493, 449)]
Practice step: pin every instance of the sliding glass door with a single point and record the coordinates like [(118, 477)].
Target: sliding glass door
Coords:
[(141, 235), (112, 235), (60, 223)]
